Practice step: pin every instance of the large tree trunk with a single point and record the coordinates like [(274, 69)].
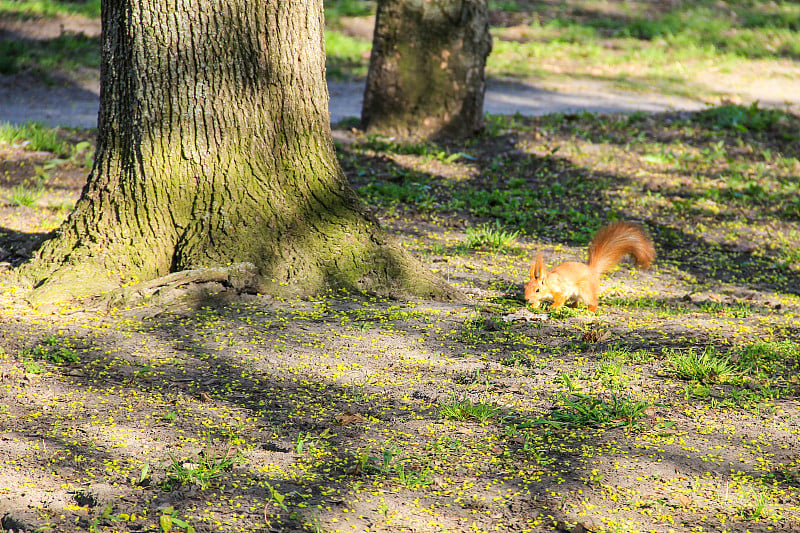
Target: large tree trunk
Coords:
[(214, 147), (426, 72)]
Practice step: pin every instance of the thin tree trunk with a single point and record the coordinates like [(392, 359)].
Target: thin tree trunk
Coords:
[(426, 74), (214, 147)]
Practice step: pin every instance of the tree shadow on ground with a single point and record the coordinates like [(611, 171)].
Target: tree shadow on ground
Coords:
[(17, 246)]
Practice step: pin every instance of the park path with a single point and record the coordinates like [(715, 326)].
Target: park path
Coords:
[(74, 106)]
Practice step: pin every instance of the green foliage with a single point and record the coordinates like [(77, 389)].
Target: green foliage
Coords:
[(738, 310), (33, 367), (483, 328), (768, 357), (87, 8), (413, 190), (581, 410), (565, 311), (493, 237), (740, 118), (757, 507), (347, 57), (619, 353), (34, 136), (307, 440), (10, 54), (410, 471), (51, 351), (464, 409), (277, 497), (335, 9), (25, 196), (705, 367), (107, 515), (66, 52), (82, 154), (200, 470), (169, 519)]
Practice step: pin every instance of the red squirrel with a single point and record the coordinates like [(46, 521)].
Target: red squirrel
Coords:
[(573, 281)]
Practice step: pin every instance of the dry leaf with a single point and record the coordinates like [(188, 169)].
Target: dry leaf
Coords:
[(349, 418)]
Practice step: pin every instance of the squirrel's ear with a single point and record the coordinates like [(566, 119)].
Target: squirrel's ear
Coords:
[(537, 267)]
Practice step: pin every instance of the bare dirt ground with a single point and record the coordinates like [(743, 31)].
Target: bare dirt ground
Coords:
[(241, 412)]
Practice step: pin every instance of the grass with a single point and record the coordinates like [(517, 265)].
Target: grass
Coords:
[(87, 8), (45, 58), (36, 137), (25, 196), (51, 351), (495, 238), (347, 57), (750, 118), (466, 410), (583, 410), (704, 367), (201, 470)]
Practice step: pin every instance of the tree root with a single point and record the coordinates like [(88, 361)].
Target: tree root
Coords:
[(186, 284)]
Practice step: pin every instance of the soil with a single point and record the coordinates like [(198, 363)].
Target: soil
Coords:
[(330, 414)]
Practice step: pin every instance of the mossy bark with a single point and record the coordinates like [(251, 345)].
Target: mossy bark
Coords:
[(214, 147), (426, 73)]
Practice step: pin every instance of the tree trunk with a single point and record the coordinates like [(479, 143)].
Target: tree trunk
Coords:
[(214, 147), (426, 72)]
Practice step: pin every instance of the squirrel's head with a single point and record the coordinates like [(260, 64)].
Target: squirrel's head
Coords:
[(534, 289)]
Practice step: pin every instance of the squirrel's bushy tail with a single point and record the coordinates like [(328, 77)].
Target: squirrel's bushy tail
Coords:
[(617, 240)]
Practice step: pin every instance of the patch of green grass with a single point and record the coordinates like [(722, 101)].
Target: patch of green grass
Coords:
[(754, 400), (200, 470), (704, 367), (757, 507), (347, 57), (25, 196), (768, 357), (584, 410), (523, 193), (740, 118), (418, 194), (494, 237), (618, 352), (566, 311), (64, 53), (33, 367), (87, 8), (50, 350), (482, 329), (736, 310), (409, 471), (10, 54), (611, 374), (335, 9), (34, 136), (496, 125), (465, 410)]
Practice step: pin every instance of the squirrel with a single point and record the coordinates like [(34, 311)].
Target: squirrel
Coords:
[(573, 281)]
